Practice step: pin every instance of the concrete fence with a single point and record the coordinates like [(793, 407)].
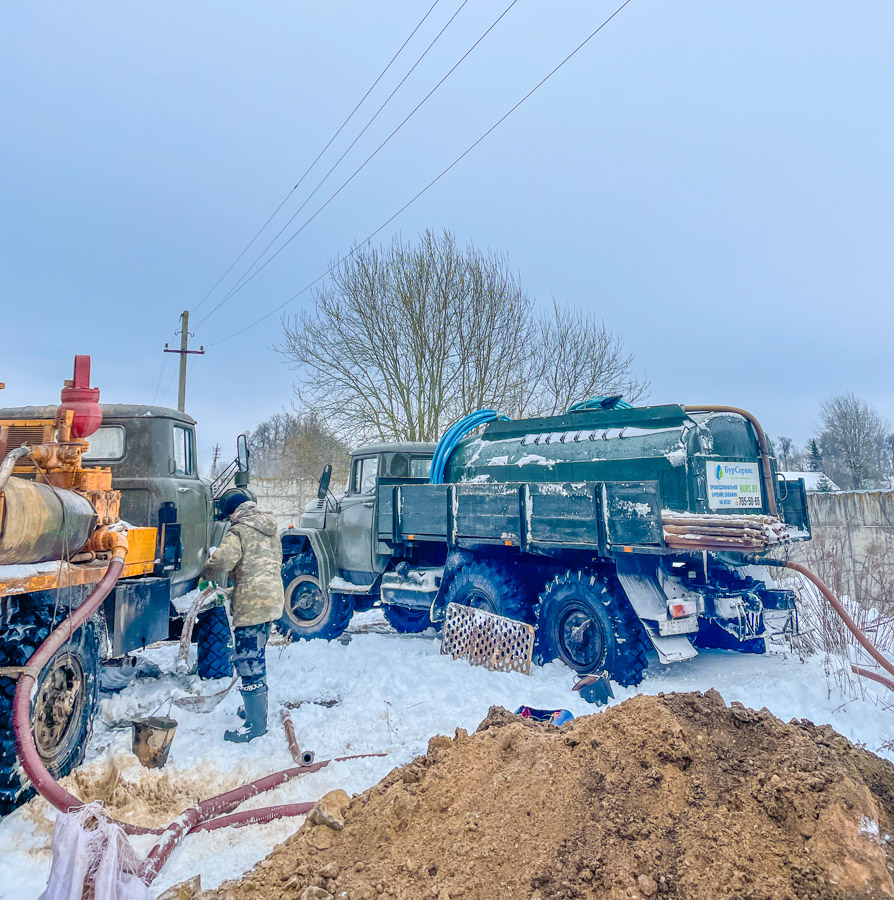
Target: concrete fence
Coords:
[(853, 545), (284, 498)]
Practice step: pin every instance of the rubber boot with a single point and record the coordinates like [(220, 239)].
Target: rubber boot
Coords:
[(255, 703)]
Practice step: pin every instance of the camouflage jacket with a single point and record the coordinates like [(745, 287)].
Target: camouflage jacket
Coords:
[(251, 553)]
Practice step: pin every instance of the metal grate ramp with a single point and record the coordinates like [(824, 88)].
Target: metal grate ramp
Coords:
[(485, 639)]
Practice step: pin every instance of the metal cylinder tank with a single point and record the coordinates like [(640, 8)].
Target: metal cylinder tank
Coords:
[(659, 443), (39, 524)]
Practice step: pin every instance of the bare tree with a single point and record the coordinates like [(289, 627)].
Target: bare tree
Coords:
[(852, 434), (295, 447), (785, 450), (405, 339)]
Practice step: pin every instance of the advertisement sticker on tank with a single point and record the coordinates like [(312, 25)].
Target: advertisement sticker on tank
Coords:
[(733, 485)]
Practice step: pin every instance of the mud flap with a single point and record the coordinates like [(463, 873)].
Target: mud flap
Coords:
[(671, 648), (639, 579)]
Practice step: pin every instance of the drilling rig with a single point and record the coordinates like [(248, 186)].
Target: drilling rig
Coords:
[(79, 482)]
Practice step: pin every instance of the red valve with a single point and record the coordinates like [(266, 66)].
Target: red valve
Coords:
[(82, 400)]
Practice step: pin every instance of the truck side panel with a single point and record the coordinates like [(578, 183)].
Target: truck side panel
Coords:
[(575, 516)]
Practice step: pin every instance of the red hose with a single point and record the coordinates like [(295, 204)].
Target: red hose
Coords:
[(255, 816), (207, 816), (835, 603), (198, 815), (26, 749), (873, 676)]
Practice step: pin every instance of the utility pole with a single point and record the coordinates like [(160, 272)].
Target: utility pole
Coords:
[(214, 460), (184, 351)]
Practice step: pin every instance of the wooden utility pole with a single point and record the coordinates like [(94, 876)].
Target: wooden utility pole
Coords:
[(214, 460), (184, 351)]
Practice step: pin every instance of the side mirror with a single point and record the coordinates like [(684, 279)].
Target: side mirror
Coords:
[(241, 478), (325, 478), (242, 453)]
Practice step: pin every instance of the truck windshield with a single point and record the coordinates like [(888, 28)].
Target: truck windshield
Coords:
[(420, 467)]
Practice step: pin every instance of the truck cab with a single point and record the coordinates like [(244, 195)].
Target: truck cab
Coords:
[(333, 562), (151, 451)]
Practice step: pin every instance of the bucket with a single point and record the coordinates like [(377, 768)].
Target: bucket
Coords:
[(152, 739)]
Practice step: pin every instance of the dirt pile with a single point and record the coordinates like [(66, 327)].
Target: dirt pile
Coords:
[(670, 796)]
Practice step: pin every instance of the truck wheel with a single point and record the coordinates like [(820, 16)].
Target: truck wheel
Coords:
[(585, 620), (407, 621), (63, 706), (214, 644), (309, 611), (491, 587)]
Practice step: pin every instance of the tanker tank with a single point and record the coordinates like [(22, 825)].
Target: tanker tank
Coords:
[(667, 444), (39, 523)]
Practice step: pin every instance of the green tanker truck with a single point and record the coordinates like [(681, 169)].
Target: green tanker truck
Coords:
[(613, 530)]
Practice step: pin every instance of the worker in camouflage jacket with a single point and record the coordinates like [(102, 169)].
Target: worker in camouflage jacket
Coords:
[(251, 553)]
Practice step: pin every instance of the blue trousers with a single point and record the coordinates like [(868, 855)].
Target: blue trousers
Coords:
[(249, 655)]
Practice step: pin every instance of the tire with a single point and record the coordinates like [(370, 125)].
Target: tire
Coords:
[(585, 620), (309, 611), (214, 643), (407, 621), (493, 587), (63, 704)]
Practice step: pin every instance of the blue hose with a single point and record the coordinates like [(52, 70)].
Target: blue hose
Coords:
[(453, 435)]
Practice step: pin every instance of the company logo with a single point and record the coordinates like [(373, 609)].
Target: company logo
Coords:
[(719, 472)]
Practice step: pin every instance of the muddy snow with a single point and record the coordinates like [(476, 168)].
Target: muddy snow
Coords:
[(377, 691)]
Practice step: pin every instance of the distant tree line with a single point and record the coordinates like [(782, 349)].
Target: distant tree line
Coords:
[(853, 446), (295, 446)]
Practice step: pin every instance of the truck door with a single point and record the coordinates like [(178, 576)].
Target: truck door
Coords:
[(191, 499), (356, 517)]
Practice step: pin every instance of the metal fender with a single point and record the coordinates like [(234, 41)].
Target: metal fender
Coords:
[(321, 544)]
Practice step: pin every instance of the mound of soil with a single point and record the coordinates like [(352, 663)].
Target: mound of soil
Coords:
[(670, 796)]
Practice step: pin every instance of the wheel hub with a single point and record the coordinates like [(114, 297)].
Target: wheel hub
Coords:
[(480, 600), (58, 704), (581, 638), (306, 602)]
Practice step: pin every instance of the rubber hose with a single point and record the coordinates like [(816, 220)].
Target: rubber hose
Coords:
[(220, 805), (255, 816), (9, 464), (873, 676), (200, 815), (763, 444), (30, 759), (843, 614)]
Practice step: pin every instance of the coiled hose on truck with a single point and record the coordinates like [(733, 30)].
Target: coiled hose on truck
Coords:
[(453, 435), (216, 812)]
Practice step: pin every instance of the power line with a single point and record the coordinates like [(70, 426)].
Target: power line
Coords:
[(248, 275), (357, 171), (161, 374), (431, 184), (319, 155)]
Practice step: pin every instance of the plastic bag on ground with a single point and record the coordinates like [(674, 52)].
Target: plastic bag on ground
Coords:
[(92, 858)]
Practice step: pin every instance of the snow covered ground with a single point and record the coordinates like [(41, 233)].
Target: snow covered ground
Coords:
[(392, 693)]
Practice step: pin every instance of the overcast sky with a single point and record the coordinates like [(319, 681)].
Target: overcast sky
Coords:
[(714, 179)]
